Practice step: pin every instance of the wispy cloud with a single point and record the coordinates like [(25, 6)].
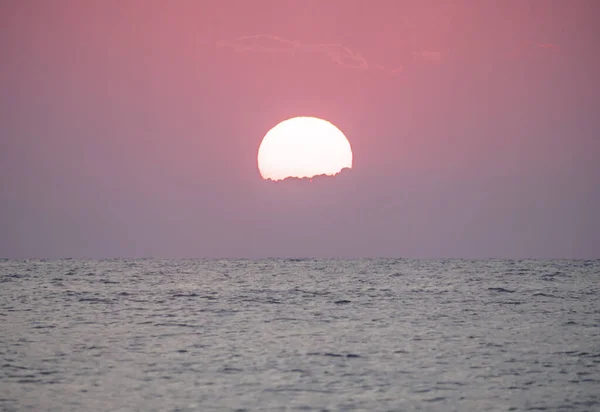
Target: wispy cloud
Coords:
[(430, 56), (345, 57), (336, 53), (525, 48), (549, 46)]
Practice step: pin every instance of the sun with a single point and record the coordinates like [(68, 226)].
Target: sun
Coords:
[(303, 147)]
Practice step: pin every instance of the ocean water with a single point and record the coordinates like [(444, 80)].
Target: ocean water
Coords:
[(306, 335)]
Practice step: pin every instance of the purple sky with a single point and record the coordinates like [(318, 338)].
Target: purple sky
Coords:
[(131, 128)]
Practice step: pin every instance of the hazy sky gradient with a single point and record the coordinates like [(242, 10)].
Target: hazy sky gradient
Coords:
[(131, 128)]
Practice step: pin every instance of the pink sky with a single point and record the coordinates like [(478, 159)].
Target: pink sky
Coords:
[(130, 128)]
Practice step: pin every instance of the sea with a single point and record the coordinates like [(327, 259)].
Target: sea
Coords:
[(299, 335)]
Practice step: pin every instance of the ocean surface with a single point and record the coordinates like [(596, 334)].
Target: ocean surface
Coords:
[(305, 335)]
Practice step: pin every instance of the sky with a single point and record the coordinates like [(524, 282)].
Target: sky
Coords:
[(130, 128)]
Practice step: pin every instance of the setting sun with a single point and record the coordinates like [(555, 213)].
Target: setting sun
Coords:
[(303, 147)]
